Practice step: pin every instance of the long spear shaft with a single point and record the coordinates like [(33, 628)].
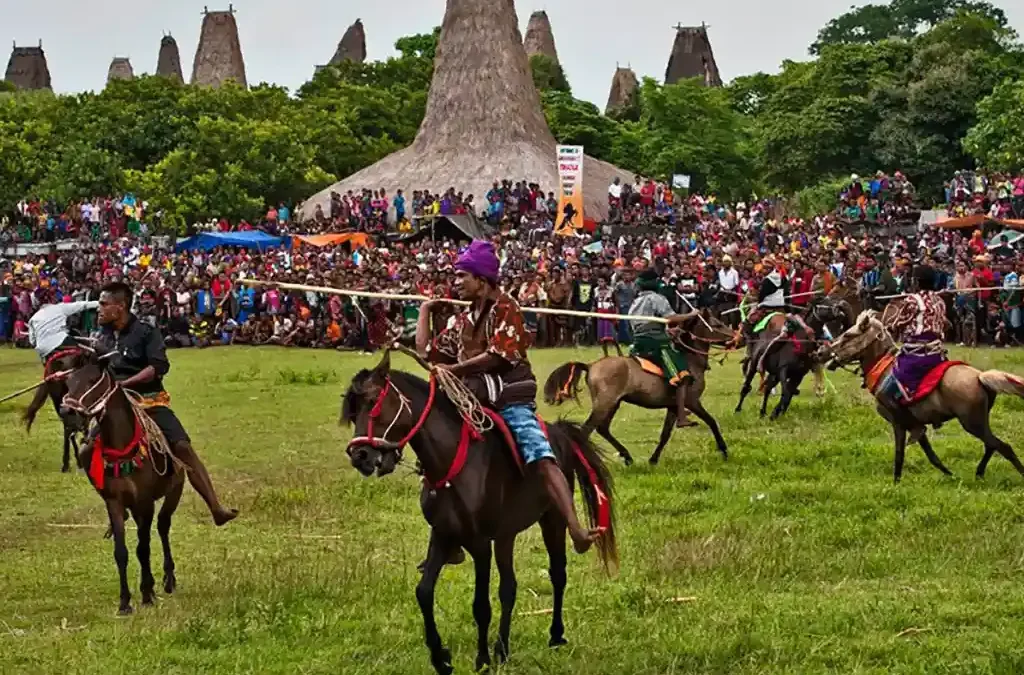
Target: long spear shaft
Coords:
[(22, 391), (554, 311)]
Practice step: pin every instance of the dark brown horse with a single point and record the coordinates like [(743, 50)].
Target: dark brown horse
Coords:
[(784, 358), (616, 380), (474, 494), (128, 464), (964, 393), (55, 389)]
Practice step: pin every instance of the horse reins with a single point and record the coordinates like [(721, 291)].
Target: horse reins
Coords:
[(99, 407), (403, 406)]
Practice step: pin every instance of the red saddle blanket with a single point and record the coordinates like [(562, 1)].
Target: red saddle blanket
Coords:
[(931, 381)]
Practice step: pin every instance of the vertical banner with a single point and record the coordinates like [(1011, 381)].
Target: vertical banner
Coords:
[(570, 199)]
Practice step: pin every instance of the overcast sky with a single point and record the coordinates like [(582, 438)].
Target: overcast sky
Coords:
[(283, 40)]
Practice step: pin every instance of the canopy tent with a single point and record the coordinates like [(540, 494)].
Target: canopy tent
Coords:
[(466, 226), (979, 221), (355, 239), (207, 241), (1012, 238)]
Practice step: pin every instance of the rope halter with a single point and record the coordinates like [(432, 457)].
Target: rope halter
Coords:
[(404, 406), (100, 393)]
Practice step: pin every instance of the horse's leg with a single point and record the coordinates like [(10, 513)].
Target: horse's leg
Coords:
[(507, 586), (65, 466), (993, 444), (552, 527), (926, 445), (437, 554), (900, 434), (163, 528), (481, 552), (115, 512), (666, 433), (142, 514), (694, 405), (604, 428), (769, 384), (788, 387), (748, 377), (819, 381)]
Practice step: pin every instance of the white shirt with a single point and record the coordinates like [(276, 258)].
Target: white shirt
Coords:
[(615, 190), (47, 328), (728, 279)]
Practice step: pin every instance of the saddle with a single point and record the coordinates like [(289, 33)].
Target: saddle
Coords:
[(882, 377), (649, 366)]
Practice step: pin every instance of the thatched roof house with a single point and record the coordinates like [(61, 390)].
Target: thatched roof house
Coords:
[(352, 46), (27, 68), (219, 54), (120, 69), (540, 38), (624, 89), (478, 128), (168, 63), (692, 57)]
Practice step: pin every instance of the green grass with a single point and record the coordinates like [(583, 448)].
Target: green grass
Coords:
[(799, 553)]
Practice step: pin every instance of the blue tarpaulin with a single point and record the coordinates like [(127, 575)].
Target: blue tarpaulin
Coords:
[(211, 240)]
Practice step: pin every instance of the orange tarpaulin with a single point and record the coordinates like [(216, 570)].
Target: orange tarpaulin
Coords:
[(356, 239), (977, 221)]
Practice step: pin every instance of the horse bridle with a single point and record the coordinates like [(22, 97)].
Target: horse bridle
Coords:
[(404, 405), (98, 408)]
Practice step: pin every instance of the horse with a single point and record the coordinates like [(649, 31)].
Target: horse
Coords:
[(55, 389), (129, 465), (474, 492), (784, 358), (963, 393), (615, 380)]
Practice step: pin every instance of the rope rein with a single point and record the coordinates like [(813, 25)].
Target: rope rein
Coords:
[(464, 400)]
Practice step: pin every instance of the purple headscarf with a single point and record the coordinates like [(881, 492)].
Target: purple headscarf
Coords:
[(480, 260)]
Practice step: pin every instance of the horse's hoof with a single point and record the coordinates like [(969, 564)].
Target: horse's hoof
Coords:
[(557, 642), (443, 662), (170, 585), (628, 461), (500, 652), (483, 662), (65, 469), (738, 410), (125, 610), (148, 602), (653, 461)]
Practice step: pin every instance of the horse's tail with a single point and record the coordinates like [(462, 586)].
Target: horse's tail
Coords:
[(563, 384), (29, 415), (999, 382), (595, 481)]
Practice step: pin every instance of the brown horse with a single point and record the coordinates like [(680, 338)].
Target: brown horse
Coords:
[(474, 494), (616, 380), (55, 389), (964, 393), (129, 465)]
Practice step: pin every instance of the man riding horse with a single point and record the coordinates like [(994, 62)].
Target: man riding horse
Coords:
[(488, 343), (919, 323), (651, 340), (138, 361), (771, 297)]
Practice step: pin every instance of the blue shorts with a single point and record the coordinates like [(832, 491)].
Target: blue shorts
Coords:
[(522, 422)]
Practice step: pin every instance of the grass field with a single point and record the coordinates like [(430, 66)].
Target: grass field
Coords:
[(798, 555)]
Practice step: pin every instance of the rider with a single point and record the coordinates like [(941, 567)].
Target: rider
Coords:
[(652, 342), (48, 329), (771, 295), (488, 342), (139, 362), (919, 324)]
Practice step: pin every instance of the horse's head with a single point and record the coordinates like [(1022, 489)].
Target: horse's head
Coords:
[(89, 387), (381, 415), (850, 345)]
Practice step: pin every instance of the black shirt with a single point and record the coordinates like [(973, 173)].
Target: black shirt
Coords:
[(138, 346)]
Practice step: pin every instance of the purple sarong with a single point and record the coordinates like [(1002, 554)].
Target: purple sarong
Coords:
[(910, 369)]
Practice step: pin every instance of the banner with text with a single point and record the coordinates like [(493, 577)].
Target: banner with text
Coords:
[(570, 200)]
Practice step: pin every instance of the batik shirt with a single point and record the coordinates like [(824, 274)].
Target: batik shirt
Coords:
[(922, 318)]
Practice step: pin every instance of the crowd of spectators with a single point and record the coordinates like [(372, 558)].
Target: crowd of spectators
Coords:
[(706, 251), (996, 195), (881, 200)]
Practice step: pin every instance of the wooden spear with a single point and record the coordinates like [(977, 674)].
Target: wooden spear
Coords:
[(422, 298), (22, 391)]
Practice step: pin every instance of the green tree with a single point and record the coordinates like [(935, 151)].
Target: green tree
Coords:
[(997, 140), (548, 74)]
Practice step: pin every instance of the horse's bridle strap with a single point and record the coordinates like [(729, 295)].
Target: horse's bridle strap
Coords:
[(383, 442)]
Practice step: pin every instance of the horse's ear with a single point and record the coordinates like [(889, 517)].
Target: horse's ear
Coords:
[(384, 367)]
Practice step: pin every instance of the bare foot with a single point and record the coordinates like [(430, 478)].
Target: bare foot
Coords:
[(224, 516)]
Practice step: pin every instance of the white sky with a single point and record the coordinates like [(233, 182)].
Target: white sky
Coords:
[(282, 41)]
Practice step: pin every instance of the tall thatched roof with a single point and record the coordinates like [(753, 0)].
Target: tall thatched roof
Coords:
[(478, 128), (352, 46), (219, 54), (692, 57), (27, 68), (540, 39), (168, 63), (120, 69), (624, 89)]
